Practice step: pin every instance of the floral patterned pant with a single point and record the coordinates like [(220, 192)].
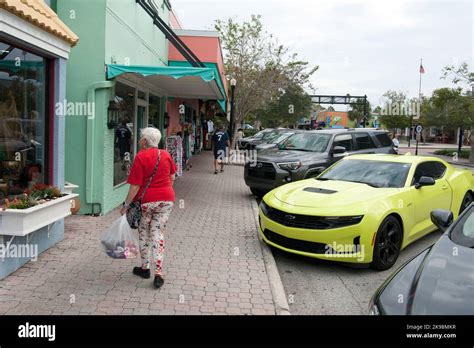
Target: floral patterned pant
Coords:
[(151, 233)]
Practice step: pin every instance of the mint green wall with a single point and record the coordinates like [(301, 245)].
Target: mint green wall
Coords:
[(131, 35), (108, 30), (131, 38), (85, 66)]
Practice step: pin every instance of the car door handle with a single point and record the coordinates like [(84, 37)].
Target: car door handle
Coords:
[(444, 187)]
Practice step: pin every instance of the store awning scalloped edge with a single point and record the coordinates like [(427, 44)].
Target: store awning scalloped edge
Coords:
[(178, 82)]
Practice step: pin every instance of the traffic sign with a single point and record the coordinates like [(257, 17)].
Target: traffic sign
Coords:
[(419, 129)]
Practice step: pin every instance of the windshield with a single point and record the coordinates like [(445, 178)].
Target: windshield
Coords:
[(279, 138), (372, 173), (262, 133), (313, 142), (463, 233), (270, 135)]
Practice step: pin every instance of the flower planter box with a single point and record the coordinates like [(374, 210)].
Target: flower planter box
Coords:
[(21, 222)]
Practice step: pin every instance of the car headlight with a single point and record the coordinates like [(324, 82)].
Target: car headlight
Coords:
[(373, 309), (289, 165), (344, 220), (266, 209)]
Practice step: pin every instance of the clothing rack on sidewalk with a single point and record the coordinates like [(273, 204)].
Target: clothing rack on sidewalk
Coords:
[(174, 145)]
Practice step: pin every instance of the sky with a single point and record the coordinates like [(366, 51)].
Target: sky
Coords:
[(362, 47)]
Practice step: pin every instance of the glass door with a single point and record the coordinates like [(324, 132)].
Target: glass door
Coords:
[(141, 111)]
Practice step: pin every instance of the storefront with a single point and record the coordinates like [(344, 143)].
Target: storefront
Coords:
[(120, 71), (209, 113), (34, 48)]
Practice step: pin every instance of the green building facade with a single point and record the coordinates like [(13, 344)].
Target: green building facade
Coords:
[(111, 32)]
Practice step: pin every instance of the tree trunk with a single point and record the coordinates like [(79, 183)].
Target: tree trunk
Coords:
[(471, 157)]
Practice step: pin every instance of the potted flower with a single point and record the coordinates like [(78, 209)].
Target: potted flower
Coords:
[(38, 207)]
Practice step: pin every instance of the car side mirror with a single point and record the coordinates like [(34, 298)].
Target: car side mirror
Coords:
[(281, 147), (442, 218), (339, 151), (425, 181)]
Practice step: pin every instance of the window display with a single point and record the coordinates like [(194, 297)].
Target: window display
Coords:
[(123, 139), (23, 123)]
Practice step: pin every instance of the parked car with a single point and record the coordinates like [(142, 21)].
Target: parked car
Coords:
[(306, 154), (439, 280), (249, 143), (274, 142), (364, 209)]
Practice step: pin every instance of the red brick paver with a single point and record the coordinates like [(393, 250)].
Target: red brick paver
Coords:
[(213, 263)]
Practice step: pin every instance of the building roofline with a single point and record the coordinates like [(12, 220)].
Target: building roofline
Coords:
[(199, 33)]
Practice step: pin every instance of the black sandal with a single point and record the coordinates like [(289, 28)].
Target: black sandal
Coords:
[(215, 172), (158, 282)]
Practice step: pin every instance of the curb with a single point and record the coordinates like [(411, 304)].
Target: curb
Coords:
[(276, 285)]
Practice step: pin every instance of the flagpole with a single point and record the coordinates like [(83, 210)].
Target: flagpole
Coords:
[(419, 93), (419, 90)]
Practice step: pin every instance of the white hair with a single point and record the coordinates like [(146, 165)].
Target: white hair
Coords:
[(151, 135)]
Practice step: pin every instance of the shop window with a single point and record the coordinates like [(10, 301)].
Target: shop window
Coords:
[(155, 118), (124, 132), (141, 95), (154, 112), (23, 121)]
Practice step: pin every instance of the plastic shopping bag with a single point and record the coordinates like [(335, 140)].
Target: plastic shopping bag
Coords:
[(120, 241)]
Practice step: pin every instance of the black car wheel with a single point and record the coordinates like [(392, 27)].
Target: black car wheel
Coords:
[(466, 202), (387, 244), (256, 192)]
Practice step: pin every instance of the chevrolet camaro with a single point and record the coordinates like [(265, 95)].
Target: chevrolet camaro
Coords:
[(364, 209)]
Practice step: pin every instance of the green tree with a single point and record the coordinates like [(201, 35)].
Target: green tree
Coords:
[(261, 66), (459, 75), (462, 76), (356, 113), (285, 110), (377, 110), (394, 113)]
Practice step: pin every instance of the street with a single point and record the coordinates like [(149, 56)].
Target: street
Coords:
[(317, 287)]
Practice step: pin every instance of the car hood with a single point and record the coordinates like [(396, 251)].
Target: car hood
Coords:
[(266, 146), (442, 282), (276, 155), (330, 195), (251, 140)]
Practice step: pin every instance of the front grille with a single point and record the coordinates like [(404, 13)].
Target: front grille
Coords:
[(262, 170), (306, 221), (295, 244)]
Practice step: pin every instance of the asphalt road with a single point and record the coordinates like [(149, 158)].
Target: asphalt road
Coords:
[(319, 287)]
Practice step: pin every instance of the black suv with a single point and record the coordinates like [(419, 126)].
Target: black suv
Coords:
[(306, 154)]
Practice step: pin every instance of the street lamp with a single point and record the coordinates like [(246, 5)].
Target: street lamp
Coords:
[(233, 84)]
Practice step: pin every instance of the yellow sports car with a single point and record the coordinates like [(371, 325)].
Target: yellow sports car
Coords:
[(364, 209)]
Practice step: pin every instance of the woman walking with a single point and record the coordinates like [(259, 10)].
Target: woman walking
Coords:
[(157, 202)]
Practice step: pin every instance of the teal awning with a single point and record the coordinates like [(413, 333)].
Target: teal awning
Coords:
[(179, 82), (214, 67)]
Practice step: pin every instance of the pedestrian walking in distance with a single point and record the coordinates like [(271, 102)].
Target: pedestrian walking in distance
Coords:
[(157, 202), (220, 144), (238, 137), (396, 142)]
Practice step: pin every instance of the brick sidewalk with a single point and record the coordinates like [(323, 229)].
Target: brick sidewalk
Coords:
[(213, 263)]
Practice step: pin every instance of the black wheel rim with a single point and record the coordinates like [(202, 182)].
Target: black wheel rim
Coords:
[(466, 202), (389, 243)]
